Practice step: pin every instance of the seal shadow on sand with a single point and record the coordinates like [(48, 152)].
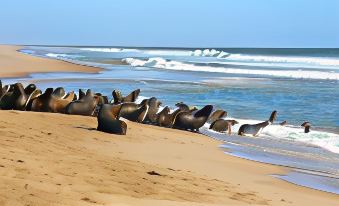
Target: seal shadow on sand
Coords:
[(86, 128)]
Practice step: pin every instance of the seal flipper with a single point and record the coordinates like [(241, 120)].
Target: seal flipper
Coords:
[(273, 116)]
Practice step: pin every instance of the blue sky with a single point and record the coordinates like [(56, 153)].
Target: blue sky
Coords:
[(177, 23)]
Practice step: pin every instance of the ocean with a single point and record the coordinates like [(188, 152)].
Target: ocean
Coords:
[(249, 83)]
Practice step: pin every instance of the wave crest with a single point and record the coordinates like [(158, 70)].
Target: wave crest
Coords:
[(161, 63), (209, 53)]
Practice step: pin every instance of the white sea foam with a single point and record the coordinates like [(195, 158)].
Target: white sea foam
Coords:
[(62, 56), (161, 63), (326, 140), (285, 59), (165, 52), (109, 50), (209, 53)]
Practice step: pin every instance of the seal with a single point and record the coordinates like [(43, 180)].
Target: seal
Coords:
[(15, 98), (307, 127), (4, 90), (1, 89), (118, 98), (222, 125), (153, 108), (283, 123), (163, 116), (255, 129), (217, 114), (41, 103), (189, 121), (85, 106), (59, 93), (102, 99), (36, 93), (108, 120), (30, 89), (59, 105), (166, 119), (134, 112), (81, 94), (185, 108)]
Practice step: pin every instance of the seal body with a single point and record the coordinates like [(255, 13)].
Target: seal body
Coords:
[(59, 92), (30, 89), (85, 106), (118, 98), (41, 103), (153, 108), (134, 112), (14, 98), (189, 121), (163, 117), (255, 129), (218, 114), (108, 120), (59, 105), (167, 119), (283, 123), (81, 94), (185, 108), (222, 125)]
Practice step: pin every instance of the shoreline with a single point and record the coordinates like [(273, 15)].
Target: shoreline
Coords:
[(247, 181), (22, 65)]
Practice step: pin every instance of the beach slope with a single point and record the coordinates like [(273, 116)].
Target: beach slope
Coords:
[(55, 159), (15, 64)]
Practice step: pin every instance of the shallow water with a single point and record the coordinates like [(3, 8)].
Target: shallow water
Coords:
[(248, 83)]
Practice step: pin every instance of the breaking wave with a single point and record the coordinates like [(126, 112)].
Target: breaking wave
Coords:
[(283, 59), (209, 53), (161, 63)]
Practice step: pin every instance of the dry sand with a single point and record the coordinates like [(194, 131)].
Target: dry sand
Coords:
[(14, 64), (54, 159)]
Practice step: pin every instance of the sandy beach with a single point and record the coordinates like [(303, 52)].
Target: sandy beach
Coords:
[(15, 64), (55, 159)]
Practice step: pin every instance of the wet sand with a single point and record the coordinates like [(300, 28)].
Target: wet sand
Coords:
[(55, 159)]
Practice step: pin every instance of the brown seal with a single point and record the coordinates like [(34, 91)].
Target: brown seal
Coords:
[(59, 105), (163, 116), (189, 121), (153, 108), (185, 108), (15, 98), (59, 92), (166, 119), (217, 114), (307, 127), (41, 102), (108, 120), (134, 112), (30, 89), (85, 106), (81, 94), (222, 125), (118, 98)]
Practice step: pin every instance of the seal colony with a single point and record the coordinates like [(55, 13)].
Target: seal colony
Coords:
[(110, 113)]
